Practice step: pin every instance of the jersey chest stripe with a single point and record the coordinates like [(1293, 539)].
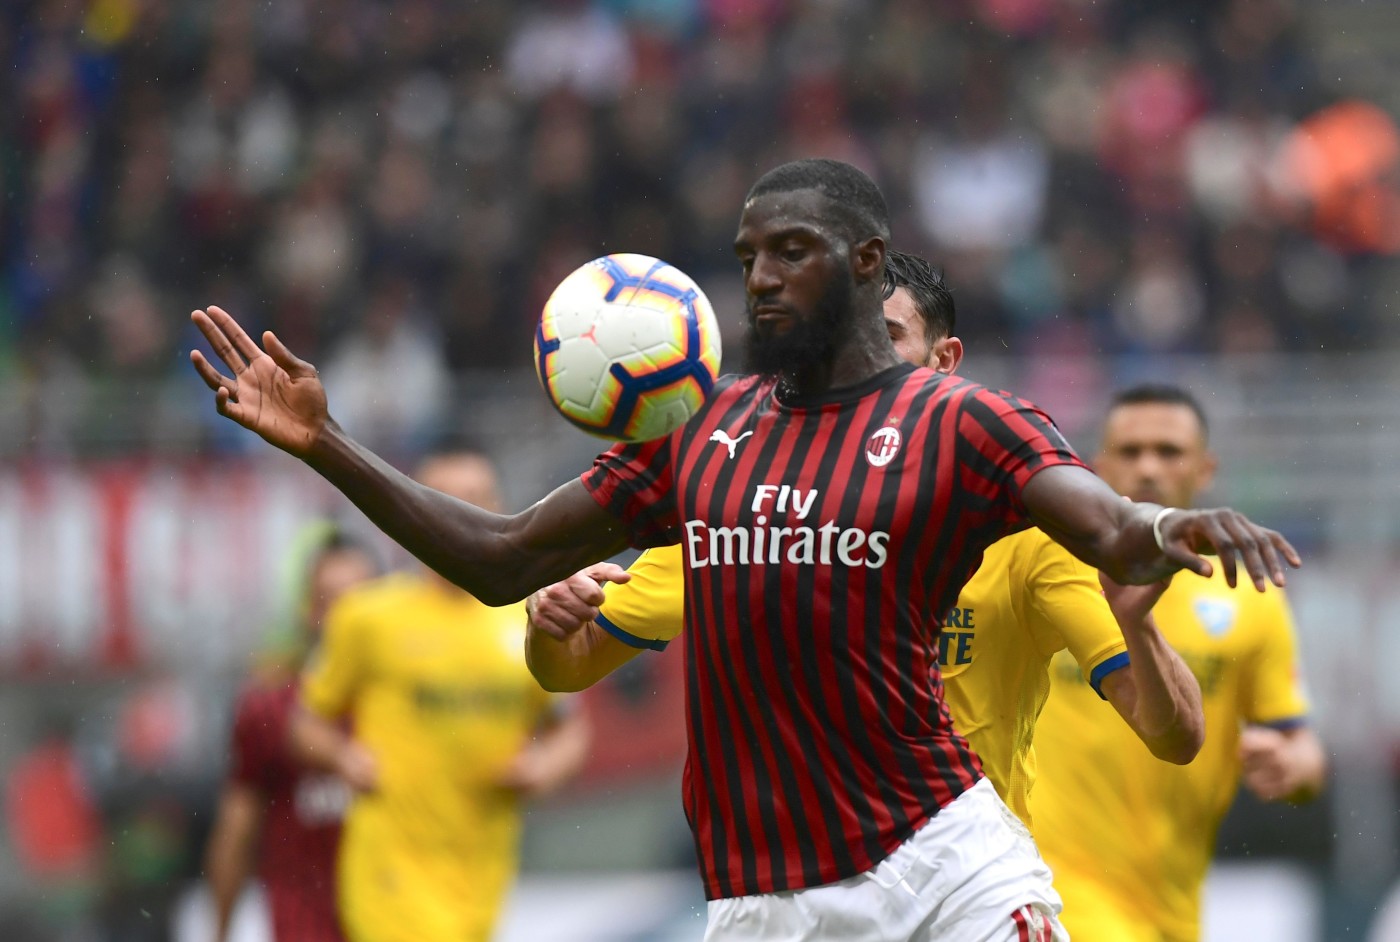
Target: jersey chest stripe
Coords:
[(841, 494), (718, 826), (914, 690), (936, 547), (861, 621), (717, 768), (926, 706), (763, 654)]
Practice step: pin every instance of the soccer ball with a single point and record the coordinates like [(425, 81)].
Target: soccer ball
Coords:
[(627, 348)]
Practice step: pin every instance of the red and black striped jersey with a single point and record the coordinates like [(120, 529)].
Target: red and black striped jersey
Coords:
[(823, 538)]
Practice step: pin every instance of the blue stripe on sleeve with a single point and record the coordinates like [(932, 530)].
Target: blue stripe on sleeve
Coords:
[(1105, 668), (1285, 724), (629, 639)]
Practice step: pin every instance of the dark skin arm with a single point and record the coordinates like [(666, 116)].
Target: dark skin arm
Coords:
[(1084, 515), (498, 558)]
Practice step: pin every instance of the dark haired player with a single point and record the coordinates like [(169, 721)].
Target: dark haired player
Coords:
[(1131, 839), (275, 811), (822, 760)]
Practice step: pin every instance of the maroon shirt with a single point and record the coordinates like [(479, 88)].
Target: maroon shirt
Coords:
[(302, 816), (823, 537)]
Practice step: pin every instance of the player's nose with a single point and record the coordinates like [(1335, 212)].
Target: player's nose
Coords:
[(763, 278)]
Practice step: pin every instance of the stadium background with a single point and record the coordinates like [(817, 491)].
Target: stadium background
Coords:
[(1201, 190)]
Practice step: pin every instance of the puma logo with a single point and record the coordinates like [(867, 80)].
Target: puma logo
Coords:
[(721, 436)]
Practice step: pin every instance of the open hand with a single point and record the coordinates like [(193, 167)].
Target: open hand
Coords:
[(563, 608), (1226, 533), (271, 392)]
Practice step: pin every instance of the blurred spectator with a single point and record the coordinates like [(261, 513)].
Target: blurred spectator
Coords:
[(54, 824), (164, 155)]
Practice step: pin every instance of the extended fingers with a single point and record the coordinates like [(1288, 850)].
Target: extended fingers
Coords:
[(1249, 543), (219, 341), (235, 332)]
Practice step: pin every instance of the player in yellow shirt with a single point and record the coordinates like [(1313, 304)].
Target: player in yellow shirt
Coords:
[(450, 732), (1029, 599), (1130, 839)]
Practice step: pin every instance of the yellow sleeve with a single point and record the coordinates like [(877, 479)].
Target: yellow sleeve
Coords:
[(336, 669), (1272, 691), (1067, 609), (649, 610)]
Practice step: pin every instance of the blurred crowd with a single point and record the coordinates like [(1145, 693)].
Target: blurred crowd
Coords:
[(396, 186)]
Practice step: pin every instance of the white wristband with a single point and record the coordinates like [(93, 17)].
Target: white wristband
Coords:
[(1157, 526)]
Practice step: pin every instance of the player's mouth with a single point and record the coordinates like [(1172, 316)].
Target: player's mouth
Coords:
[(770, 313)]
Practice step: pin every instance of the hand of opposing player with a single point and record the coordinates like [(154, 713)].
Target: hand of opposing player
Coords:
[(357, 766), (271, 392), (1266, 769), (1131, 604), (1227, 534), (561, 609)]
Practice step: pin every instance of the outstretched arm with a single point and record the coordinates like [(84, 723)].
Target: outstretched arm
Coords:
[(497, 558), (1083, 514), (1156, 694)]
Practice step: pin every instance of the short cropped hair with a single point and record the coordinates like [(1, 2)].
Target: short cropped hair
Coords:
[(861, 201), (1161, 394), (930, 293)]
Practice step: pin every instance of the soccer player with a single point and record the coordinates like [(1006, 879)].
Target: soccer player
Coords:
[(1130, 839), (1028, 599), (827, 504), (273, 808), (450, 733)]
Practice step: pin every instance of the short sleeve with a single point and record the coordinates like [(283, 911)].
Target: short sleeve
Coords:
[(1273, 688), (336, 669), (634, 483), (1067, 609), (258, 729), (647, 611), (1009, 441)]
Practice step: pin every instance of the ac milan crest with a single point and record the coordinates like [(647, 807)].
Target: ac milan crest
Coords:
[(881, 447)]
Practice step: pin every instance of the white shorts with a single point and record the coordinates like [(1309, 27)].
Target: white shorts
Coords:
[(971, 874)]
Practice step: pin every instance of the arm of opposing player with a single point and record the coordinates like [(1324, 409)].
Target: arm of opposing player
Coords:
[(228, 858), (1119, 650), (580, 632), (556, 754), (333, 677), (1281, 756), (1155, 693)]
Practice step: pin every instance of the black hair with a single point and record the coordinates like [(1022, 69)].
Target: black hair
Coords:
[(862, 204), (453, 443), (926, 285), (1161, 394)]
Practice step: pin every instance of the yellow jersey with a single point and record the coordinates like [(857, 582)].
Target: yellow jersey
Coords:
[(1029, 599), (436, 687), (1129, 837)]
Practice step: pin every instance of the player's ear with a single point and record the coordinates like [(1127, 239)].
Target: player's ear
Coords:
[(868, 260), (946, 355), (1205, 476)]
